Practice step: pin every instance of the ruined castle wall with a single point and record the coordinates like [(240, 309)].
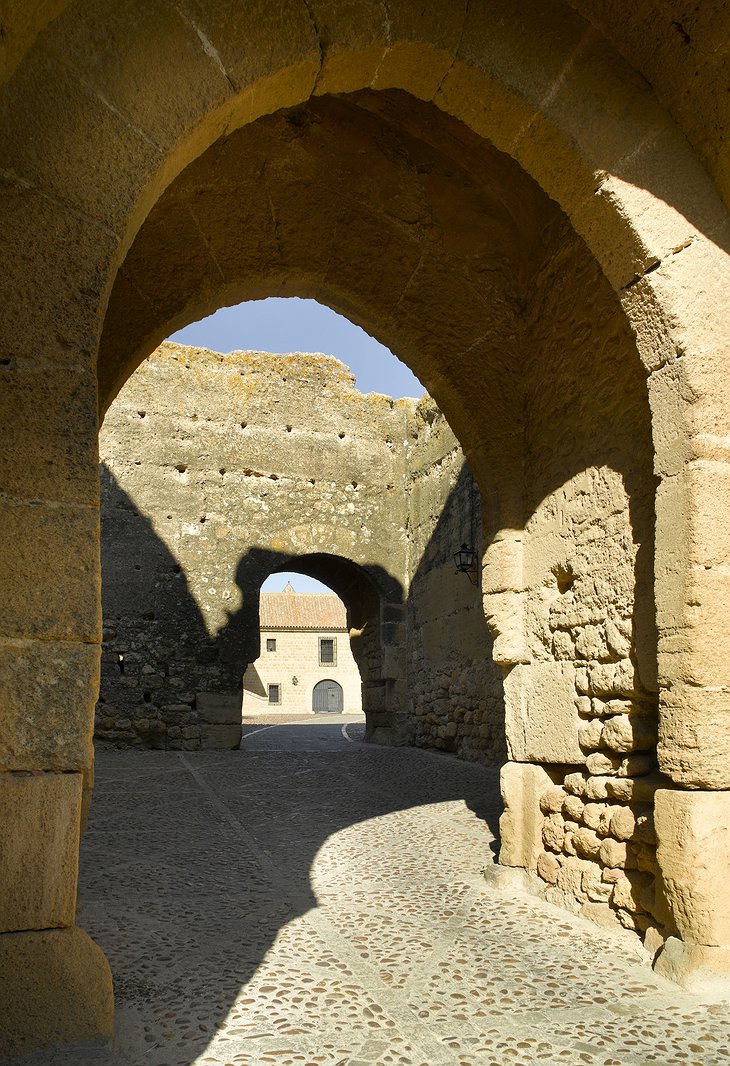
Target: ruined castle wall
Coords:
[(456, 693), (219, 469), (582, 700)]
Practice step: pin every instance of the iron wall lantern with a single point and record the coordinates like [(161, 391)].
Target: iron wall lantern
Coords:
[(466, 562)]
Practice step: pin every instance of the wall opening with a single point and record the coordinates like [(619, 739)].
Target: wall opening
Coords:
[(304, 640)]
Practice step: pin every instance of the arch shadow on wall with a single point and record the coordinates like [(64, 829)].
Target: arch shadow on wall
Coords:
[(158, 654)]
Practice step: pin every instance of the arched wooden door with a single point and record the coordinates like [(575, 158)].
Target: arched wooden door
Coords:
[(327, 698)]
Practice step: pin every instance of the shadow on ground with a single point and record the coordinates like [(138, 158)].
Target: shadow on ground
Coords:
[(195, 864)]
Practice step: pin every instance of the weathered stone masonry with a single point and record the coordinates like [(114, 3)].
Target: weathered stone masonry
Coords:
[(227, 467), (580, 679), (399, 162), (220, 469), (455, 688)]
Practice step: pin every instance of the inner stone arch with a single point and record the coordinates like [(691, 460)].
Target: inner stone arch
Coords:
[(451, 254), (375, 615)]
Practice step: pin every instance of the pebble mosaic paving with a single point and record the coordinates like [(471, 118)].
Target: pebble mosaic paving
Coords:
[(315, 901)]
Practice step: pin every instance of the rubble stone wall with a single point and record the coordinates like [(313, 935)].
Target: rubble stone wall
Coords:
[(455, 687), (582, 703)]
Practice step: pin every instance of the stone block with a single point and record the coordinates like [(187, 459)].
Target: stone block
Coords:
[(51, 579), (541, 717), (49, 315), (162, 99), (520, 826), (220, 737), (78, 125), (47, 694), (393, 662), (694, 642), (218, 708), (696, 967), (503, 564), (48, 431), (693, 852), (694, 737), (505, 614), (55, 987), (39, 842)]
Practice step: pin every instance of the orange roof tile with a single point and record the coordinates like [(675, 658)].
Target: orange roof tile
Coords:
[(302, 610)]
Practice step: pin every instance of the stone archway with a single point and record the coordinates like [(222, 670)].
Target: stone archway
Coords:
[(117, 127)]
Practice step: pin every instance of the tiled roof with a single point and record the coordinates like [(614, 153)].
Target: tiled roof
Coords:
[(302, 610)]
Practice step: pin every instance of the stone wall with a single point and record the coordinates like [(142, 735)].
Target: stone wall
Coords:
[(221, 469), (582, 694), (217, 471), (456, 693)]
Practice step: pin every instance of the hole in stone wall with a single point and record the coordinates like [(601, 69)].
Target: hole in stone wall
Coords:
[(181, 468), (243, 425), (137, 566), (142, 414), (149, 616), (288, 429), (341, 436), (147, 697), (202, 519), (222, 471), (564, 579)]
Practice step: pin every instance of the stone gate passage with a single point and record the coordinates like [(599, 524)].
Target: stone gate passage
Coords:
[(526, 201)]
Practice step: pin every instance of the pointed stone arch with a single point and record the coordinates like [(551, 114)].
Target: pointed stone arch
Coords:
[(95, 128)]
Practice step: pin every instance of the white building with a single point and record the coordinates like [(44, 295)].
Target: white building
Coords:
[(306, 665)]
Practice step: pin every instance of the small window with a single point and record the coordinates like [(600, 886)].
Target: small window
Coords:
[(274, 693), (271, 643), (327, 651)]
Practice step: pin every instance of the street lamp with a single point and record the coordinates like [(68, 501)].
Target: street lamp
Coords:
[(465, 560)]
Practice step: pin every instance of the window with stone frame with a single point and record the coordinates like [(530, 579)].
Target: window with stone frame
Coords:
[(327, 651), (274, 693), (271, 643)]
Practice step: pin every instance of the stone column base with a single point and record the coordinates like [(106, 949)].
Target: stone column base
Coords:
[(55, 988), (701, 969)]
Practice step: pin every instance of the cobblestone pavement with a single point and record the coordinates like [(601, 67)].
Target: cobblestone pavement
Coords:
[(319, 902)]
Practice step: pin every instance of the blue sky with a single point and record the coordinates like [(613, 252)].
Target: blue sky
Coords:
[(294, 325)]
